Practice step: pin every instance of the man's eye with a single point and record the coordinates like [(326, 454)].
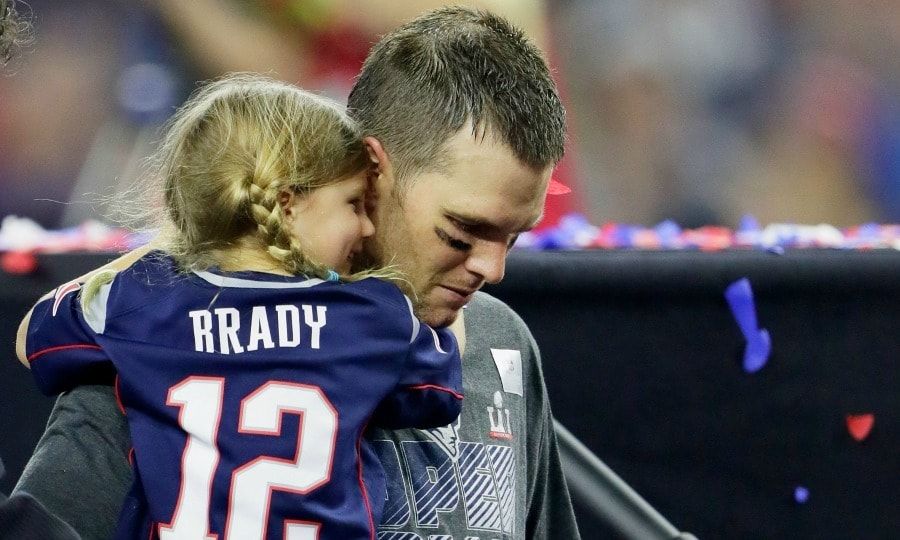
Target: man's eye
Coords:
[(454, 243), (462, 226)]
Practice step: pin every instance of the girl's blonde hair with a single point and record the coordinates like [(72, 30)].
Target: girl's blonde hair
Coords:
[(225, 157), (231, 149)]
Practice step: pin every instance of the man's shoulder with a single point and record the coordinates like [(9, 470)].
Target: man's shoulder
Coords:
[(483, 304), (487, 310), (381, 291), (490, 323)]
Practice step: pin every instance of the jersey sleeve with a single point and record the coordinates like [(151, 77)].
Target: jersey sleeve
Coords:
[(429, 393), (61, 345)]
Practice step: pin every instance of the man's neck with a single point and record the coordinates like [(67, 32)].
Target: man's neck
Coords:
[(458, 327)]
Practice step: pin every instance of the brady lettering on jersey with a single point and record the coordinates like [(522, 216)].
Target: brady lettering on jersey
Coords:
[(218, 330)]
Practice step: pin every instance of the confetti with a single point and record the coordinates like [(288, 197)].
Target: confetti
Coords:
[(774, 238), (573, 231), (18, 262), (669, 234), (739, 296), (557, 188), (859, 425)]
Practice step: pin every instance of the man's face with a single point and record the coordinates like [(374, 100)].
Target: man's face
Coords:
[(451, 230)]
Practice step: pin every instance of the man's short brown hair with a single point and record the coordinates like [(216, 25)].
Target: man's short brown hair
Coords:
[(425, 80)]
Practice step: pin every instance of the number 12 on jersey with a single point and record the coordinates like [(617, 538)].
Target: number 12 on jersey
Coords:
[(200, 401)]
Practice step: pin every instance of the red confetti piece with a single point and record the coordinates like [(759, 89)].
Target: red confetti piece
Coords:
[(859, 425), (18, 262), (557, 188)]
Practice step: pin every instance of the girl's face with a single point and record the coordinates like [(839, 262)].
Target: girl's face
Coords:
[(331, 222)]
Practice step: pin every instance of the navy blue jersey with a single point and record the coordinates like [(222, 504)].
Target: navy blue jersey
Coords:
[(248, 394)]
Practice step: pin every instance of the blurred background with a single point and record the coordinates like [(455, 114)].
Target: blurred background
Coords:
[(699, 111)]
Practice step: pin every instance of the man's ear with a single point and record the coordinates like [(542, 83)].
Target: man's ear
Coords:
[(379, 157), (382, 176)]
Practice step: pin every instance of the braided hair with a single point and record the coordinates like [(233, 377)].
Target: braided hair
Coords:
[(229, 152)]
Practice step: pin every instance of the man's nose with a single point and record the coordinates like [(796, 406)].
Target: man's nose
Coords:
[(488, 260)]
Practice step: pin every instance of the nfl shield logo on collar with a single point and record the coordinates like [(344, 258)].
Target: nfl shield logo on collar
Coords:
[(62, 291)]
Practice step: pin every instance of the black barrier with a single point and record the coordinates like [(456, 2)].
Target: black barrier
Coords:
[(642, 360), (643, 364), (608, 497)]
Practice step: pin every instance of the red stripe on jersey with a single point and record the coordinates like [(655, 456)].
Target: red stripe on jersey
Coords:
[(457, 395), (42, 352), (118, 396)]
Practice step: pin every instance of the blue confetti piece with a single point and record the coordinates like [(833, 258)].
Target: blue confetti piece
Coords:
[(573, 222), (740, 299), (748, 223), (869, 231), (623, 236), (552, 239), (759, 346), (668, 232), (739, 296), (801, 494)]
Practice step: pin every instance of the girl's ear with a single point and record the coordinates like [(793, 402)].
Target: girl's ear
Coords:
[(286, 199)]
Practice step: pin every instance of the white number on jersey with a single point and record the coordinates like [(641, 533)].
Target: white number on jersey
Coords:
[(200, 400)]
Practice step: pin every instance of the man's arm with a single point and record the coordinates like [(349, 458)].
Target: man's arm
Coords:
[(548, 509), (224, 38), (550, 513), (79, 470), (221, 37)]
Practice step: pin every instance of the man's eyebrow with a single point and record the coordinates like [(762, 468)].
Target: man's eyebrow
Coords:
[(482, 224)]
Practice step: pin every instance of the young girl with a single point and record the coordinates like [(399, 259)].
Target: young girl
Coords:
[(249, 360)]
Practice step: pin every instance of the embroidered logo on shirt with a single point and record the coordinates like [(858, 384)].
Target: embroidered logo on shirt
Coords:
[(62, 291), (509, 365), (447, 437), (501, 427)]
